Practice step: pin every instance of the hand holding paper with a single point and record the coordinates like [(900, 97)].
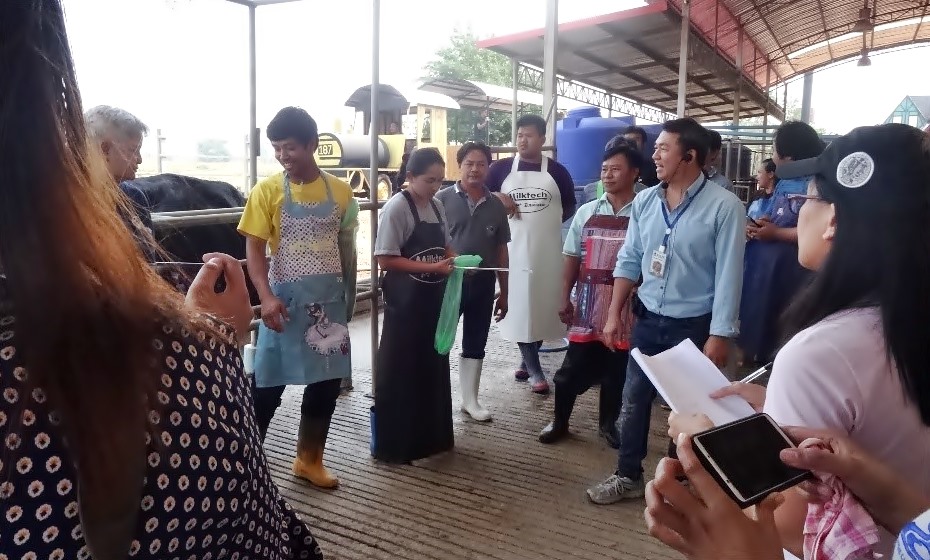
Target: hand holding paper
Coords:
[(685, 378)]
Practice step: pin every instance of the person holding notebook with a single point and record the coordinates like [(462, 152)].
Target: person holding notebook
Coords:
[(686, 242)]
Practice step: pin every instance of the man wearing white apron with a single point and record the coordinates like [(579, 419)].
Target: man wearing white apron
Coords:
[(308, 292), (540, 195)]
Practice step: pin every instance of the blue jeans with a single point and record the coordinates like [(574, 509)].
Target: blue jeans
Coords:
[(652, 334)]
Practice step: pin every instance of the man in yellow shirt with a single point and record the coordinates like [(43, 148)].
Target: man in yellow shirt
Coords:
[(308, 220)]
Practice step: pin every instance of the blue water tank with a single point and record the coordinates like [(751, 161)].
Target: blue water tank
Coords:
[(581, 137)]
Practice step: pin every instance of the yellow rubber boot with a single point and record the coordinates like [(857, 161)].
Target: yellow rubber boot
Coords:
[(311, 440)]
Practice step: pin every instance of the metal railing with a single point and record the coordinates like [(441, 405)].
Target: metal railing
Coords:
[(214, 216)]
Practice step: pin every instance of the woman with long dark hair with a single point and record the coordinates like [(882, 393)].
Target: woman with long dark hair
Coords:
[(856, 362), (162, 456)]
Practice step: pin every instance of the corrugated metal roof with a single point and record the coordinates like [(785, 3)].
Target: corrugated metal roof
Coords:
[(634, 54), (800, 36)]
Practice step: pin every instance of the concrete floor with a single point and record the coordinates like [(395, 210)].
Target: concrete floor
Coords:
[(499, 495)]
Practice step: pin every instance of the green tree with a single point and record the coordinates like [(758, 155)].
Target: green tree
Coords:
[(462, 59)]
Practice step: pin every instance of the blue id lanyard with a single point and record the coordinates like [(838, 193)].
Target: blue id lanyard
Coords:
[(670, 225)]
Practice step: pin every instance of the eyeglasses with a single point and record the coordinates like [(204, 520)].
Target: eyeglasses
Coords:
[(796, 201)]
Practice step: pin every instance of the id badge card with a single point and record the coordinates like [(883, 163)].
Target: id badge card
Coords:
[(657, 265)]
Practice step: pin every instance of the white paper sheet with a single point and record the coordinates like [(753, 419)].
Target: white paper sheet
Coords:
[(685, 377), (789, 556)]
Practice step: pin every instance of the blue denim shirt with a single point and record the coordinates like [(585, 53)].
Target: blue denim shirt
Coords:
[(704, 265)]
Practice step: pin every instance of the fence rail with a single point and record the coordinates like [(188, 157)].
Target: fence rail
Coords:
[(214, 216)]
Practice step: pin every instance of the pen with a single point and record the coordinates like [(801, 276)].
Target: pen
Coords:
[(756, 374)]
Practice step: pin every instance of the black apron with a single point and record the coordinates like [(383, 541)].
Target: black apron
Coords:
[(413, 396)]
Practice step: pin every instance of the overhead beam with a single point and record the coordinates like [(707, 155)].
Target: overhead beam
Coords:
[(549, 89), (838, 30), (531, 79)]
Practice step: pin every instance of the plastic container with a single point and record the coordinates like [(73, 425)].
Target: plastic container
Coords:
[(581, 137)]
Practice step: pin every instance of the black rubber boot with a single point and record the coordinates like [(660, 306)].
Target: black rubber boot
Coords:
[(558, 428)]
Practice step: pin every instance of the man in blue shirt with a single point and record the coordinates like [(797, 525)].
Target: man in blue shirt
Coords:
[(685, 240)]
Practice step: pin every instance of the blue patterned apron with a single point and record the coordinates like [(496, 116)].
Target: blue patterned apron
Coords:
[(306, 275)]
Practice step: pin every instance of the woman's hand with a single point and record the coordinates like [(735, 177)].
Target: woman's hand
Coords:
[(891, 500), (767, 231), (702, 522), (751, 393), (688, 424), (443, 267), (232, 304)]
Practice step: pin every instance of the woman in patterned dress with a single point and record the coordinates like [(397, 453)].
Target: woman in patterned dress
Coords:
[(126, 422)]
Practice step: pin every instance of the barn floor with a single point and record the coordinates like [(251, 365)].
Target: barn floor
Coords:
[(499, 495)]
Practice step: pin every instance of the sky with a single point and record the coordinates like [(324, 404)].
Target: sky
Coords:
[(182, 65)]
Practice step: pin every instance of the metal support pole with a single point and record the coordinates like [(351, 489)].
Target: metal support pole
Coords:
[(683, 56), (806, 99), (768, 98), (737, 105), (514, 116), (784, 98), (549, 78), (253, 104), (738, 89), (159, 158), (373, 178), (246, 177)]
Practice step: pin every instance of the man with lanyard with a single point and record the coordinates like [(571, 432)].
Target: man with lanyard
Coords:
[(308, 219), (596, 235), (713, 160), (478, 226), (686, 241), (539, 195), (595, 190)]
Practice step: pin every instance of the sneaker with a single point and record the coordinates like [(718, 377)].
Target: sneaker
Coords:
[(615, 489), (521, 375)]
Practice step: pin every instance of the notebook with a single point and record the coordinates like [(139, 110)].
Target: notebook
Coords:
[(685, 377)]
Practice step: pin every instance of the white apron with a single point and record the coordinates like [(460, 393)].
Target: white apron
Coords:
[(536, 245)]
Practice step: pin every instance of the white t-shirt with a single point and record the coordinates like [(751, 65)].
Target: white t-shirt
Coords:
[(837, 375)]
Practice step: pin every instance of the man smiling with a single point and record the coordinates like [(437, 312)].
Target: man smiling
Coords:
[(309, 219), (686, 241), (478, 226)]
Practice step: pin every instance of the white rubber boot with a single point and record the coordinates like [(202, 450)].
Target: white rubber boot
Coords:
[(469, 378)]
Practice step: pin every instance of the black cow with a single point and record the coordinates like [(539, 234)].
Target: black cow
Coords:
[(172, 193)]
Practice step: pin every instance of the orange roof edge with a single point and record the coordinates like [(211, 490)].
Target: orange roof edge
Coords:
[(653, 8)]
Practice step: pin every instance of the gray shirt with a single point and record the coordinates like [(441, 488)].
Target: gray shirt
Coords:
[(396, 223), (721, 179), (477, 228)]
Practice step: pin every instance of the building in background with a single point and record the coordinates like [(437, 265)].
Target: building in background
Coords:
[(913, 110)]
